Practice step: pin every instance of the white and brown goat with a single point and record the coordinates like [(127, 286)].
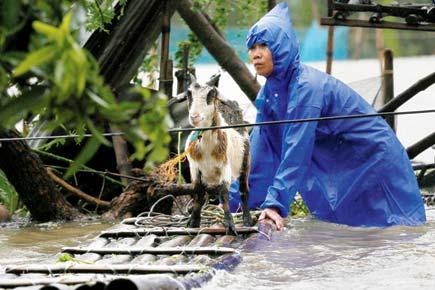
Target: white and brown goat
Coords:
[(219, 156)]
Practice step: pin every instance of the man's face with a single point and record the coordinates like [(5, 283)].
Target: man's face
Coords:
[(261, 57)]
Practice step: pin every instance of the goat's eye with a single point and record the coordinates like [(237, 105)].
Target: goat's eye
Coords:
[(211, 95)]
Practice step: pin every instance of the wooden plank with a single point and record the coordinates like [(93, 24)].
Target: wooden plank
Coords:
[(174, 231), (384, 24), (104, 269), (151, 250)]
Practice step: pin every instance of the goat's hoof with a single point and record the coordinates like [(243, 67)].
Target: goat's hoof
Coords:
[(247, 220), (193, 223), (230, 229)]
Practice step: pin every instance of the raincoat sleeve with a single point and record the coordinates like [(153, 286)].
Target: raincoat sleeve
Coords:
[(297, 147)]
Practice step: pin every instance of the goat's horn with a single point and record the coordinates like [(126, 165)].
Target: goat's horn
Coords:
[(214, 80), (192, 78), (177, 99)]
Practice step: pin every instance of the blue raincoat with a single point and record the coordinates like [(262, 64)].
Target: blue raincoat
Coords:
[(352, 171)]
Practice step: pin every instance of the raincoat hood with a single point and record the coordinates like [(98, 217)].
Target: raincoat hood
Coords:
[(276, 31)]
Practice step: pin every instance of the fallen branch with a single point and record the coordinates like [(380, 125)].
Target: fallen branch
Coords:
[(77, 192)]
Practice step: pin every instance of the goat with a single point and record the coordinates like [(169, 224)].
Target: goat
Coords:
[(216, 157)]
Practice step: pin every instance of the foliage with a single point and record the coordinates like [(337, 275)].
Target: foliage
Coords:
[(101, 13), (8, 195), (298, 208), (220, 12), (149, 67), (59, 81), (66, 257)]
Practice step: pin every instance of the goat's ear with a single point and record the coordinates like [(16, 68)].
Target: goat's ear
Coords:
[(211, 95), (177, 99), (214, 80)]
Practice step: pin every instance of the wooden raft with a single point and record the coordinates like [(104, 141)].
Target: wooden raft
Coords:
[(132, 257)]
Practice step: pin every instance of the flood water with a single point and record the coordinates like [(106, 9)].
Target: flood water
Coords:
[(311, 254), (40, 243), (308, 254)]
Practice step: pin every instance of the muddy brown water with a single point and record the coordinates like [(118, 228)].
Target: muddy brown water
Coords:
[(311, 254), (308, 254)]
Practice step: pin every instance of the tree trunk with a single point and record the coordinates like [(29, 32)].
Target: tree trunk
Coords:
[(121, 52), (27, 174), (219, 48)]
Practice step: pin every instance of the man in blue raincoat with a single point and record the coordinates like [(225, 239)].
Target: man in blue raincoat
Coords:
[(348, 171)]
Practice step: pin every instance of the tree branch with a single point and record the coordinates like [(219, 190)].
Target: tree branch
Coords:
[(77, 192)]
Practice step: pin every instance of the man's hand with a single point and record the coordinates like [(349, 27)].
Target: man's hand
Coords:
[(272, 213)]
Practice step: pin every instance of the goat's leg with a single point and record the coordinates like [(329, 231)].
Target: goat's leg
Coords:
[(198, 202), (244, 186), (222, 190)]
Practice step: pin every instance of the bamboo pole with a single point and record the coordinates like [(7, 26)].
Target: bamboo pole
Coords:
[(150, 250), (156, 281), (419, 86), (380, 48), (38, 282), (388, 86), (170, 232), (104, 269), (421, 145), (330, 50), (92, 257), (165, 82), (117, 259)]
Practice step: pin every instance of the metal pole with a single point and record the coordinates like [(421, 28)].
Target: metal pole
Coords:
[(389, 85)]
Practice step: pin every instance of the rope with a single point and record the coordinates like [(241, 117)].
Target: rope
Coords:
[(210, 215), (168, 172)]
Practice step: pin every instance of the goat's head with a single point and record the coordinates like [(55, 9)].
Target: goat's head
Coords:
[(202, 102)]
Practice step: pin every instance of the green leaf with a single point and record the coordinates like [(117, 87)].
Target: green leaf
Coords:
[(97, 134), (35, 59), (94, 97), (51, 32), (10, 13), (84, 156), (66, 23), (32, 100)]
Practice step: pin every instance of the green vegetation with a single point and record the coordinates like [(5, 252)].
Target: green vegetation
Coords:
[(8, 195), (44, 72), (222, 13)]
